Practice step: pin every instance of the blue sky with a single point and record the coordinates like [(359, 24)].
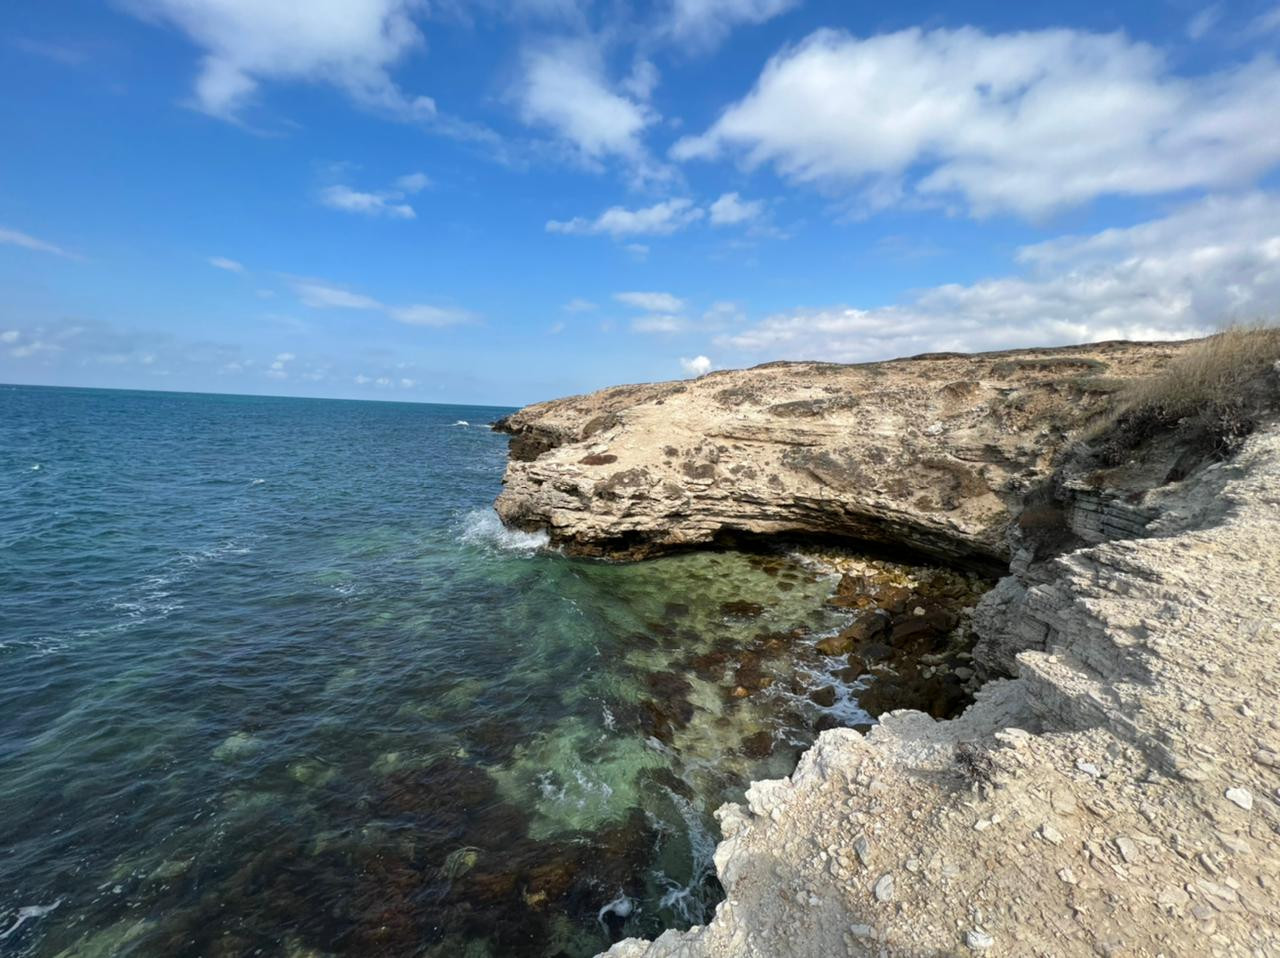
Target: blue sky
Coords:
[(500, 202)]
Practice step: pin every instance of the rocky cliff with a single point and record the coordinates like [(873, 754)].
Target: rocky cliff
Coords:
[(1120, 793), (935, 453)]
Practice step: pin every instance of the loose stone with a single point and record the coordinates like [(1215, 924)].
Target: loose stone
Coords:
[(1050, 834), (884, 888), (978, 940), (1240, 796)]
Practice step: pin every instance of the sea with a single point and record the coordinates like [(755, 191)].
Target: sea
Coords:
[(275, 680)]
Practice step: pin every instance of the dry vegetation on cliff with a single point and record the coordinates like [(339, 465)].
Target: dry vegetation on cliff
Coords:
[(1213, 395)]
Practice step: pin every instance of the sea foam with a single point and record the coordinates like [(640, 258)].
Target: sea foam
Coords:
[(29, 911), (482, 527)]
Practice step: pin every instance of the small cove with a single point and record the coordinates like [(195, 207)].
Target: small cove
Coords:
[(305, 695)]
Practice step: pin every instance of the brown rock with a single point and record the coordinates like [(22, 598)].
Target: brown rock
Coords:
[(759, 745), (835, 644), (825, 696)]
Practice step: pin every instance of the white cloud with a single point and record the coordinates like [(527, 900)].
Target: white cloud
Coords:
[(1204, 21), (659, 323), (10, 336), (579, 305), (278, 368), (704, 23), (26, 241), (422, 314), (1025, 122), (347, 200), (556, 328), (322, 296), (408, 383), (642, 80), (361, 379), (1211, 262), (661, 219), (413, 182), (639, 252), (697, 366), (350, 44), (652, 302), (230, 265), (731, 209), (564, 88), (722, 313)]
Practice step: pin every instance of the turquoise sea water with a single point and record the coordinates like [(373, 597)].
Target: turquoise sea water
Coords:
[(274, 680)]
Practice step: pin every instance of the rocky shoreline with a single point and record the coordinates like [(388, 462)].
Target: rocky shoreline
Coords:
[(1113, 790)]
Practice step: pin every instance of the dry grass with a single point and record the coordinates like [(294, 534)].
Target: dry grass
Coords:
[(1214, 370), (1212, 394)]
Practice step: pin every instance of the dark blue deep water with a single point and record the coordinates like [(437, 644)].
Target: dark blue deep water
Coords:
[(274, 680)]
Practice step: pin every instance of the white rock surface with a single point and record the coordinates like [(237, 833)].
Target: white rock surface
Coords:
[(1148, 861)]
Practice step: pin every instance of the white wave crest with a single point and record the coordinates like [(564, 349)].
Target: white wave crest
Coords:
[(462, 422), (26, 912), (482, 527), (622, 906)]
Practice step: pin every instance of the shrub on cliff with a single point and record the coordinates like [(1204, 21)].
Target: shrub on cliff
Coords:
[(1213, 395)]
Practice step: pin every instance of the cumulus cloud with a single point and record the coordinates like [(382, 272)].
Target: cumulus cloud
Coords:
[(652, 302), (661, 219), (351, 44), (1211, 262), (565, 89), (230, 265), (347, 200), (697, 366), (26, 241), (663, 312), (731, 209), (1025, 122), (704, 23), (321, 295)]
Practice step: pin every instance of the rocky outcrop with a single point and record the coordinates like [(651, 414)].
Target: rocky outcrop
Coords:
[(1121, 797), (934, 453), (1119, 794)]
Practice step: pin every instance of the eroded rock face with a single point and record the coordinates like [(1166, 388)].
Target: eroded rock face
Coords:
[(1121, 796), (934, 453)]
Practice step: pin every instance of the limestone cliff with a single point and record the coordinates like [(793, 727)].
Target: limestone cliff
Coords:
[(934, 453), (1121, 797)]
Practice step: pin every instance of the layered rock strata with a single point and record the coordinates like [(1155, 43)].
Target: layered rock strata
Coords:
[(1121, 797), (935, 453)]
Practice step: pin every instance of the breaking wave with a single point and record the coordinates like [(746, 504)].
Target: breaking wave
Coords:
[(483, 528)]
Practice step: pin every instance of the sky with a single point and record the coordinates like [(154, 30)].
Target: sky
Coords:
[(495, 202)]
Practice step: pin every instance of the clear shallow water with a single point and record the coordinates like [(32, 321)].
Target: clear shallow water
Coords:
[(273, 677)]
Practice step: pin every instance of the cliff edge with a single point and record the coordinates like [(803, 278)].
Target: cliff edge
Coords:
[(935, 453)]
